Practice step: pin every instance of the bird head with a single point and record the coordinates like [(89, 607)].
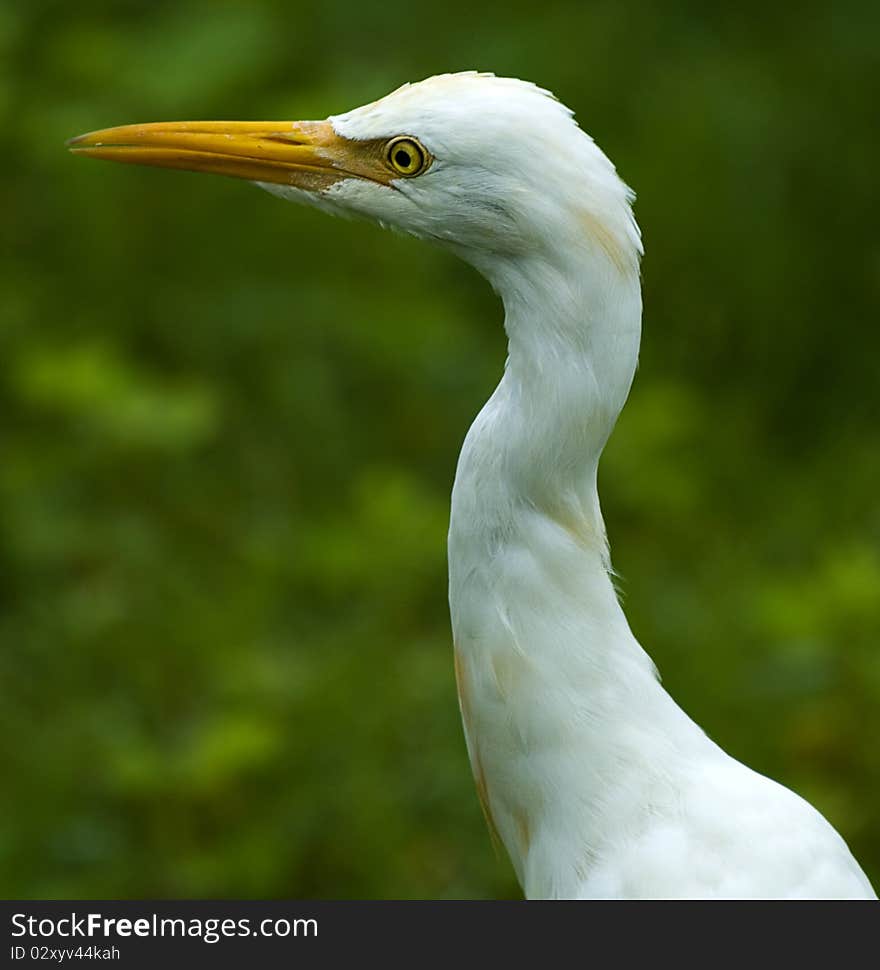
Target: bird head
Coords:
[(495, 168)]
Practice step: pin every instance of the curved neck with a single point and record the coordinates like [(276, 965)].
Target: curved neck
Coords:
[(573, 329), (552, 684)]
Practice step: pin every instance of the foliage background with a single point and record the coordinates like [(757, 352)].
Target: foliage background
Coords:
[(229, 429)]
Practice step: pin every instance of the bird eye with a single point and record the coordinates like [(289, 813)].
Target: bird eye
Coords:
[(406, 156)]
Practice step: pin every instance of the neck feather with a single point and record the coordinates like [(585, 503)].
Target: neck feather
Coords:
[(551, 681), (573, 323)]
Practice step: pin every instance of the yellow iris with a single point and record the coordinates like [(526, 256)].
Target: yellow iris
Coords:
[(406, 156)]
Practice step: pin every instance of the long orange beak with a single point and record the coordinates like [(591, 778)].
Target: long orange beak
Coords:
[(305, 154)]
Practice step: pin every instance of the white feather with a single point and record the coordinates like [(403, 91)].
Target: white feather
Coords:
[(599, 785)]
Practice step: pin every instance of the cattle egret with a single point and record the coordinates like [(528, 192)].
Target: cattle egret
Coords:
[(593, 778)]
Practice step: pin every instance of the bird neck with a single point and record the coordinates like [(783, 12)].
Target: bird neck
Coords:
[(553, 686), (573, 329), (573, 324)]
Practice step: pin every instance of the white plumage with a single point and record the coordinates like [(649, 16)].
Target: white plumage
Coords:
[(597, 783)]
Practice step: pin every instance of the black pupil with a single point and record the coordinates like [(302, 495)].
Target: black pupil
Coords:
[(403, 158)]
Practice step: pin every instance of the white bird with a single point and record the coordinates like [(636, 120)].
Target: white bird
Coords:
[(595, 780)]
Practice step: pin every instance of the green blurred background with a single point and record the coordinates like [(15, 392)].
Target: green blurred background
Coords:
[(229, 430)]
